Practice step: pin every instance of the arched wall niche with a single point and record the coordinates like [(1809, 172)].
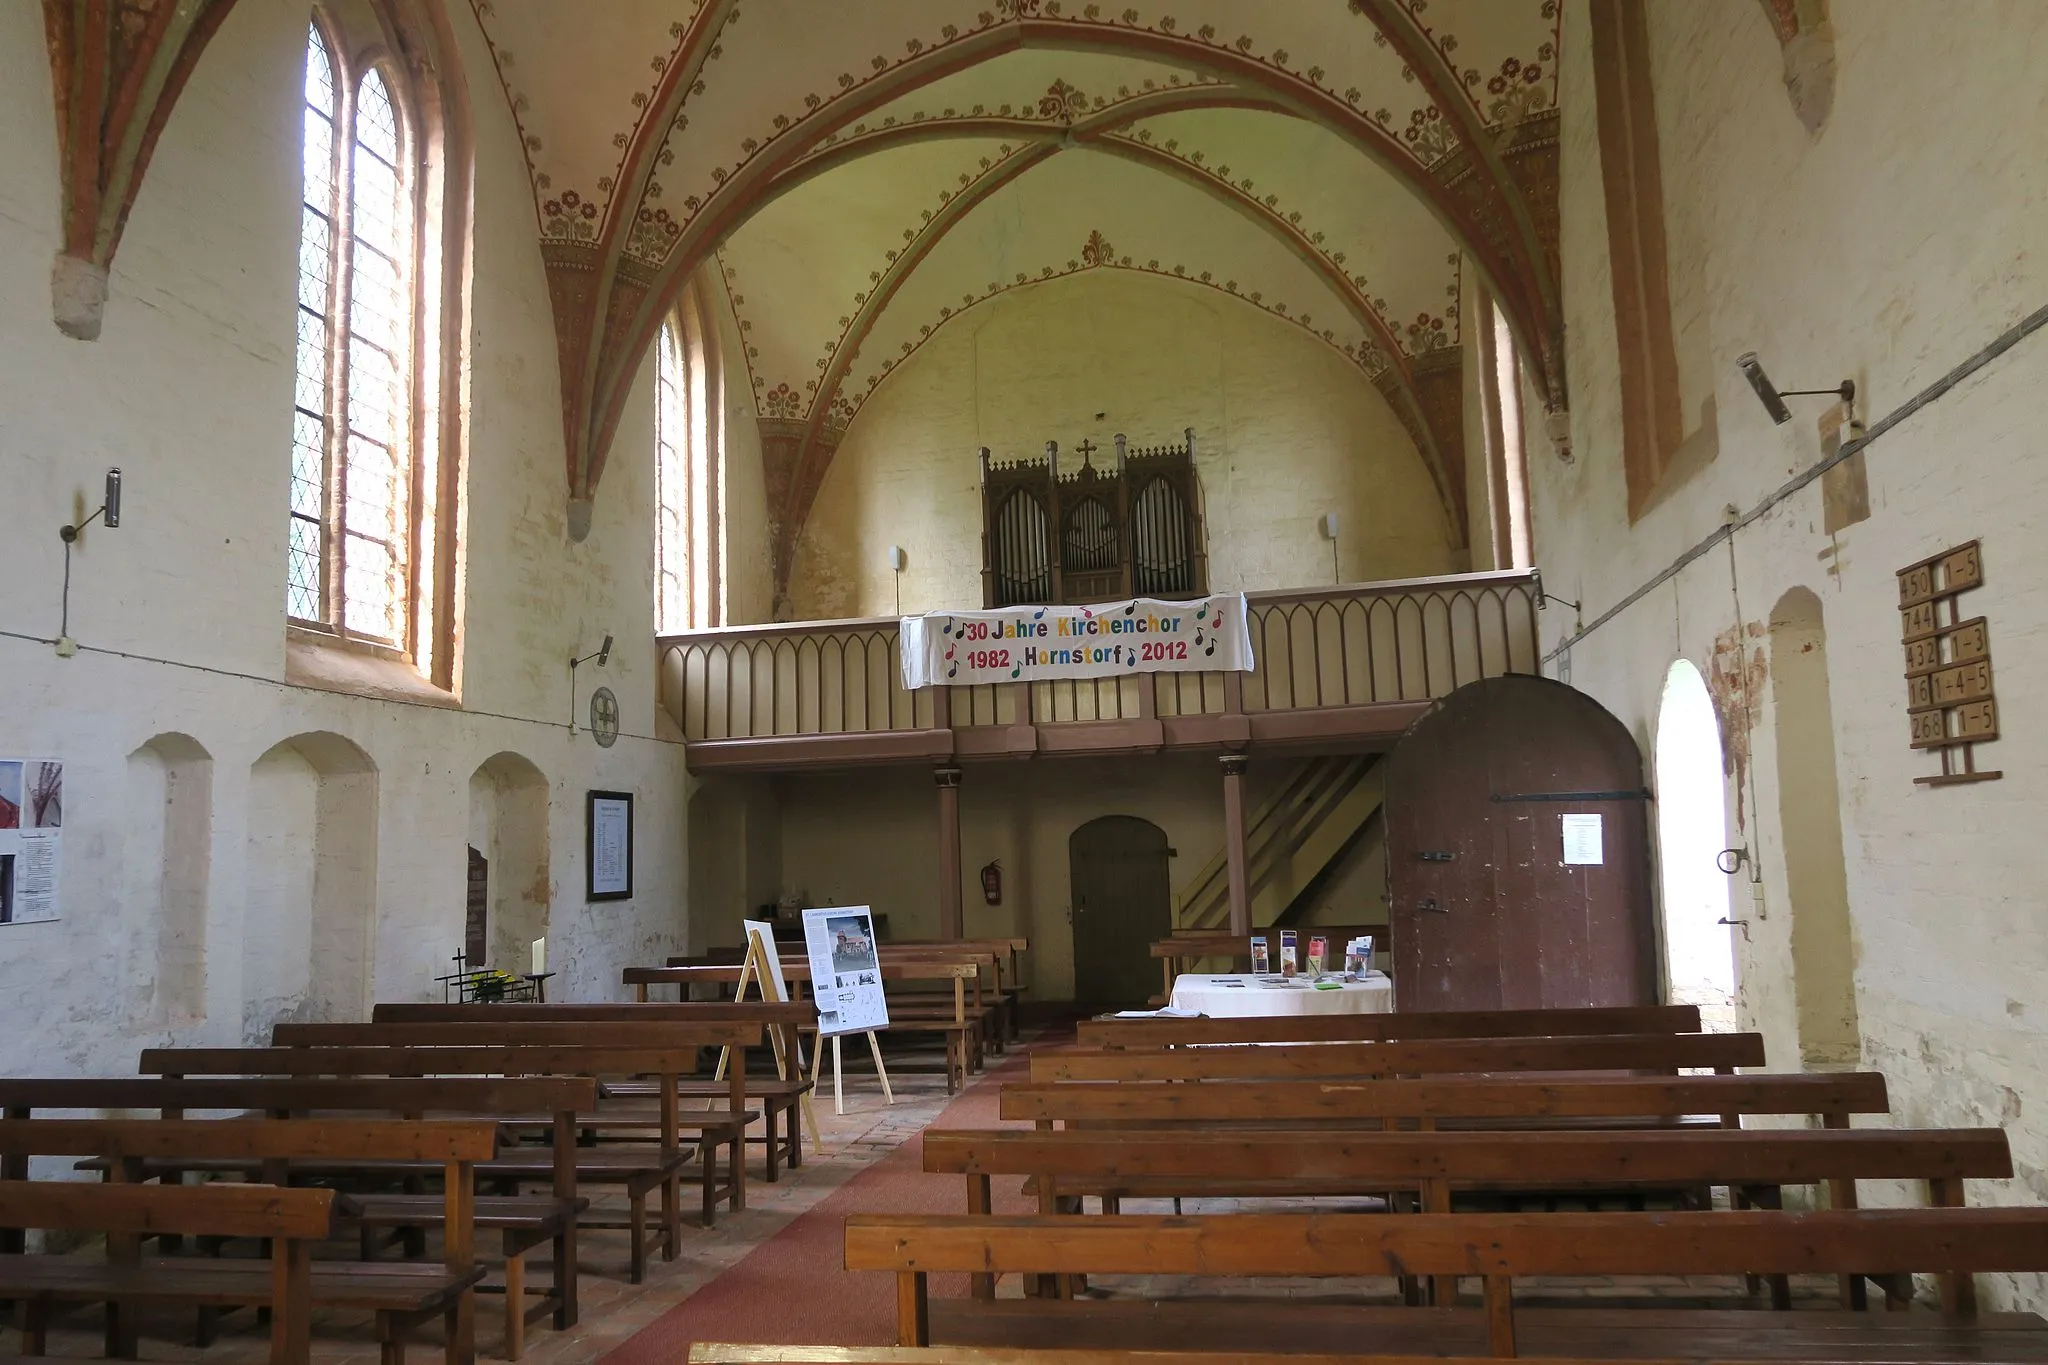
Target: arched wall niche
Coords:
[(508, 825), (169, 875), (311, 883), (1810, 827), (1692, 829)]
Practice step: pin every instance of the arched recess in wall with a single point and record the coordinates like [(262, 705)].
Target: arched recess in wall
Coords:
[(1810, 828), (1692, 829), (170, 865), (310, 884), (508, 827)]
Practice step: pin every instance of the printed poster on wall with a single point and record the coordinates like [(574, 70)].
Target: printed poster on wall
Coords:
[(846, 970), (31, 839), (1042, 644)]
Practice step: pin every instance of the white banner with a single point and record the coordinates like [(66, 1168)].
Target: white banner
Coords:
[(1041, 644)]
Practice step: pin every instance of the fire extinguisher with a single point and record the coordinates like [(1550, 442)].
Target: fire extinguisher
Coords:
[(992, 883)]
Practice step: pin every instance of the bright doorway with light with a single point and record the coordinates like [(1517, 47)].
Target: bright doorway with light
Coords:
[(1692, 830)]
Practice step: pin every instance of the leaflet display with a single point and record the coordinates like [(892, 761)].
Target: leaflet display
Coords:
[(846, 970)]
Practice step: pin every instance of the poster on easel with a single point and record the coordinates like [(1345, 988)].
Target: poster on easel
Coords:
[(846, 970), (761, 940), (31, 839)]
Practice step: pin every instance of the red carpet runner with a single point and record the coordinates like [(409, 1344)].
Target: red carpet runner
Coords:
[(791, 1290)]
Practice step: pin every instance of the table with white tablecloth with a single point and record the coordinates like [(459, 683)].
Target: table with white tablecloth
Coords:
[(1243, 995)]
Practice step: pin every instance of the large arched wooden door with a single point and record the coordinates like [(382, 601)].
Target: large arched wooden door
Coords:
[(1485, 909), (1122, 904)]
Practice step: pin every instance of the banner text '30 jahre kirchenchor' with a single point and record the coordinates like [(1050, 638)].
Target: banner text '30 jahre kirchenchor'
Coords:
[(1042, 644)]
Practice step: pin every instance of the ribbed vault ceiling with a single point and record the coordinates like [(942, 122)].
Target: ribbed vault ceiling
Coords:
[(861, 173)]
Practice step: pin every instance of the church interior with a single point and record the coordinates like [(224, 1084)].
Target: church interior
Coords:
[(1334, 653)]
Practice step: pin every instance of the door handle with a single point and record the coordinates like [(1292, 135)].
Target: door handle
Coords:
[(1429, 904)]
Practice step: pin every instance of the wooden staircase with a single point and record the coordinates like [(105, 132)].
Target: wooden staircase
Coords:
[(1291, 843)]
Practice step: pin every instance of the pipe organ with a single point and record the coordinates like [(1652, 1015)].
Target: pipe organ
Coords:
[(1066, 537)]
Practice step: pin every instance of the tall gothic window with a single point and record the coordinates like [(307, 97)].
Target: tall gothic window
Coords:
[(360, 561), (686, 474)]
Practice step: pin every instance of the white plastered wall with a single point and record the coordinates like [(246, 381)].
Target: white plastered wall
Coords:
[(1888, 248), (189, 391), (1286, 430)]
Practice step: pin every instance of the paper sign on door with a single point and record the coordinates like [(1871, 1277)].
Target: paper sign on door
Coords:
[(1582, 841)]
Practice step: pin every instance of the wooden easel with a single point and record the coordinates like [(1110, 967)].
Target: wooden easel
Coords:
[(838, 1094), (768, 984)]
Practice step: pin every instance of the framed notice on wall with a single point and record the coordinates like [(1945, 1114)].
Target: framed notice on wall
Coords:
[(608, 846), (31, 838)]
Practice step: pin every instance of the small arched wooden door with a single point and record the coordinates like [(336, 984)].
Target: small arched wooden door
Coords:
[(1485, 907), (1122, 904)]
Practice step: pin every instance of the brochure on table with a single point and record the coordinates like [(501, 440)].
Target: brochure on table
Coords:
[(846, 970)]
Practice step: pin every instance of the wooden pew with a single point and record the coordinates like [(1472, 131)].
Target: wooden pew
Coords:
[(738, 1091), (1533, 1103), (1497, 1247), (960, 1025), (783, 1093), (1755, 1165), (1007, 987), (1660, 1052), (641, 1170), (524, 1222), (402, 1295), (1400, 1024), (290, 1220), (735, 1353)]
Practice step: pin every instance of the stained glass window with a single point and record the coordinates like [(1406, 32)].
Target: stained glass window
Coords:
[(352, 529)]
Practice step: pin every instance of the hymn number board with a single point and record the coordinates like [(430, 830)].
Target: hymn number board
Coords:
[(1950, 704)]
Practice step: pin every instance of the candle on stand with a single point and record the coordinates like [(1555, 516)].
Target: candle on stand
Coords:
[(540, 957)]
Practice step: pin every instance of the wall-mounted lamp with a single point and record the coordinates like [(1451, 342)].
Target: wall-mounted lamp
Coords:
[(1773, 398), (897, 561), (603, 656), (109, 511), (1326, 526)]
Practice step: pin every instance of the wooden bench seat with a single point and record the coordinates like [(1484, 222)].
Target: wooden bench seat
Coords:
[(1433, 1168), (1497, 1248), (963, 1027), (779, 1100), (522, 1222), (1459, 1101), (1667, 1053), (1366, 1028), (555, 1099), (717, 1129), (1224, 1331), (291, 1220), (1537, 1334), (401, 1295)]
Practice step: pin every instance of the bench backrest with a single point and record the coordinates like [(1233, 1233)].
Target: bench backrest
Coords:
[(255, 1139), (522, 1033), (1861, 1241), (1603, 1097), (1361, 1028), (752, 1011), (1729, 1156), (1613, 1052), (509, 1061), (279, 1094), (217, 1210)]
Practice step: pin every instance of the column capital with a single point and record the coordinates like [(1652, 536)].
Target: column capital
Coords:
[(1233, 765), (947, 776)]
